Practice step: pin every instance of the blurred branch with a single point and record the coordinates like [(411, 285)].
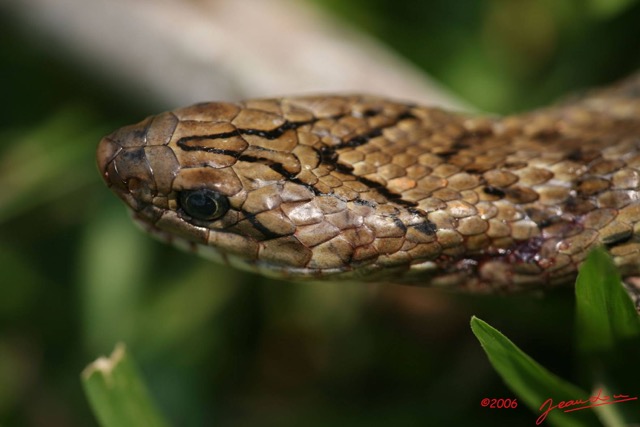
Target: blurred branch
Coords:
[(175, 52)]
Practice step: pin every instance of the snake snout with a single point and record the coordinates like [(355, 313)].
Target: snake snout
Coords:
[(124, 169), (136, 164), (114, 147), (107, 150)]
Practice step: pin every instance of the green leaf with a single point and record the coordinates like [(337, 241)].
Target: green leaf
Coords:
[(605, 315), (530, 381), (117, 394)]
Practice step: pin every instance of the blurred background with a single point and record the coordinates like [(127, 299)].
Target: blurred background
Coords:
[(221, 347)]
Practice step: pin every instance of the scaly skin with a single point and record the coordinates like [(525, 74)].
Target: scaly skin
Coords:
[(359, 187)]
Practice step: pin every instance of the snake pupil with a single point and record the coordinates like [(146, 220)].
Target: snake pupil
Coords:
[(204, 204)]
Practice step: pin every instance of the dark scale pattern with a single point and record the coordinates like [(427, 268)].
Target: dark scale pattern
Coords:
[(364, 188)]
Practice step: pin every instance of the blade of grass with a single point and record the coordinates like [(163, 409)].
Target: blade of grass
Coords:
[(608, 332), (605, 315), (609, 414), (530, 381), (117, 394)]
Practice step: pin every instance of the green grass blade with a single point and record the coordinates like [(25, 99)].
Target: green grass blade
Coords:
[(531, 382), (117, 394), (605, 315), (608, 332), (610, 414)]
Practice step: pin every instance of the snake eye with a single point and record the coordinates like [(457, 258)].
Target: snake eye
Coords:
[(203, 204)]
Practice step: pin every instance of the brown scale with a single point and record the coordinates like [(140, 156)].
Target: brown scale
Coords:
[(359, 187)]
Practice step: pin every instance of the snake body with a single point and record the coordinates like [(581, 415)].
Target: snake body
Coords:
[(364, 188)]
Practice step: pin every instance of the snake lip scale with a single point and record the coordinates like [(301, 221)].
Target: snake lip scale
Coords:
[(364, 188)]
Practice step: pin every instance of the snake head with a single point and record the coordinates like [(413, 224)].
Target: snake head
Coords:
[(370, 189), (262, 185)]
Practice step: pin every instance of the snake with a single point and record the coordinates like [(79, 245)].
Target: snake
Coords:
[(364, 188)]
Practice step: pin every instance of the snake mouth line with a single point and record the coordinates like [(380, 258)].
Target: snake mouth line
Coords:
[(234, 260)]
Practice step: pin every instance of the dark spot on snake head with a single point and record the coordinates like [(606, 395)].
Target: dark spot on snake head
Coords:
[(359, 140), (446, 154), (514, 165), (520, 195), (133, 155), (328, 156), (460, 144), (139, 133), (343, 167), (575, 155), (578, 205), (542, 217), (371, 112), (493, 191), (582, 155), (363, 202), (419, 212), (398, 222), (407, 115), (617, 238), (426, 227)]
